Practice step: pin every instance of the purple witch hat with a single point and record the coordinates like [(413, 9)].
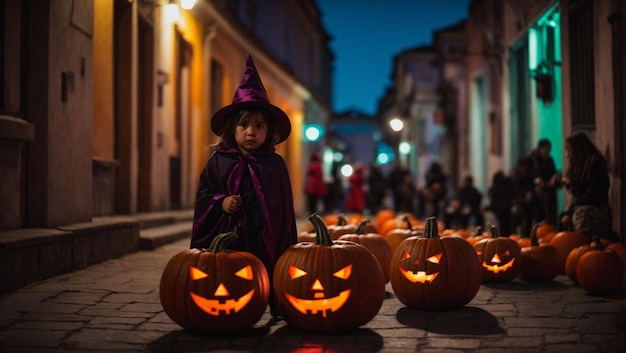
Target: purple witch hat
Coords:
[(251, 92)]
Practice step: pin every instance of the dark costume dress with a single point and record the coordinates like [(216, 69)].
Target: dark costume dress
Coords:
[(266, 223)]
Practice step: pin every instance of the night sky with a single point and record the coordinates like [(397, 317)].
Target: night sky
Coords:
[(367, 34)]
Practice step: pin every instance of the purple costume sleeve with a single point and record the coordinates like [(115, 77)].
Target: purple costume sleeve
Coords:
[(221, 177)]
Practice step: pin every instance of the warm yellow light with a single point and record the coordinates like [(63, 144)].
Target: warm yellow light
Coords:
[(187, 4)]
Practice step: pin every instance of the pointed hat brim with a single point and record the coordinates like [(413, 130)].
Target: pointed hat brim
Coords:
[(251, 93)]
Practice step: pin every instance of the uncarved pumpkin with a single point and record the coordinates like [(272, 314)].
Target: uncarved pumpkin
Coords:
[(375, 243), (600, 271), (433, 272), (215, 290), (564, 242), (328, 286), (540, 263)]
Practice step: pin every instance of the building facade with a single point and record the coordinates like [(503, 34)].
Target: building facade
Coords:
[(105, 105)]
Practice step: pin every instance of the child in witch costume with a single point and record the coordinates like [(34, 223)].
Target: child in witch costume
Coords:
[(245, 185)]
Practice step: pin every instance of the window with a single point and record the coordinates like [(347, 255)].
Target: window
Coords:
[(582, 64)]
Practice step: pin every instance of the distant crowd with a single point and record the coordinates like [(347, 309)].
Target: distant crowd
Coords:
[(515, 200)]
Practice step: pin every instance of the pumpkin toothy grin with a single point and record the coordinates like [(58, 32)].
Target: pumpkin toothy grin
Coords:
[(419, 276), (498, 268), (315, 305), (214, 307)]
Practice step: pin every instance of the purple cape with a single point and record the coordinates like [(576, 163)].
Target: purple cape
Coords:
[(221, 177)]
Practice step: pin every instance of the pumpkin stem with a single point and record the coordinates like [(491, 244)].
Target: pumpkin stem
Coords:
[(494, 230), (219, 243), (361, 228), (322, 235), (407, 221), (533, 235), (341, 220), (599, 245), (477, 231), (431, 229)]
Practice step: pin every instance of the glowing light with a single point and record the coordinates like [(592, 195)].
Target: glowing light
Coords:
[(312, 133), (346, 170), (187, 4), (382, 158), (396, 124), (404, 148), (172, 13), (533, 48)]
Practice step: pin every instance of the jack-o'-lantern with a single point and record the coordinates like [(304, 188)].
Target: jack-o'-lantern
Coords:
[(433, 272), (327, 286), (499, 257), (215, 290)]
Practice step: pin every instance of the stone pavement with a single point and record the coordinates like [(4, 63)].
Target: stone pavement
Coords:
[(114, 307)]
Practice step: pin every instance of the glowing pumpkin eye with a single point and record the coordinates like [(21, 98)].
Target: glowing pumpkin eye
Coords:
[(344, 273), (435, 258), (196, 273), (478, 252), (245, 273), (506, 253), (405, 255), (295, 272)]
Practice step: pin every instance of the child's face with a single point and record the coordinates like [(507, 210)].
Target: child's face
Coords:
[(251, 134)]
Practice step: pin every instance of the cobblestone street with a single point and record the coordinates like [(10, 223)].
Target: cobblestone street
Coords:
[(114, 307)]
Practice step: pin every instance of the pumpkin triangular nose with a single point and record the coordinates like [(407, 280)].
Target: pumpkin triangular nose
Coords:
[(495, 259), (317, 285), (221, 291)]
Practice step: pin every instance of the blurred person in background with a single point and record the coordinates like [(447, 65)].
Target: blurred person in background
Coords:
[(587, 179), (355, 201), (314, 187), (546, 182)]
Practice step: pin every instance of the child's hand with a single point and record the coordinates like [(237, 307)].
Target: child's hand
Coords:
[(231, 204)]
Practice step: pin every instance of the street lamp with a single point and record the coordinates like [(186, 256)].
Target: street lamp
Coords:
[(396, 124)]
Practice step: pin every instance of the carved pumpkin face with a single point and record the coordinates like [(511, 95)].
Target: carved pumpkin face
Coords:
[(222, 302), (433, 272), (328, 286), (420, 276), (320, 301), (214, 291), (496, 264), (499, 258)]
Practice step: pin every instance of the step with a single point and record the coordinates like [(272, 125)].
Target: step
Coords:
[(157, 219), (154, 237)]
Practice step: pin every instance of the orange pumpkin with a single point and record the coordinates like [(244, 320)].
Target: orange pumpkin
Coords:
[(397, 235), (572, 260), (342, 227), (566, 241), (499, 257), (540, 263), (477, 235), (600, 271), (382, 216), (328, 286), (215, 290), (545, 232), (433, 272), (375, 243)]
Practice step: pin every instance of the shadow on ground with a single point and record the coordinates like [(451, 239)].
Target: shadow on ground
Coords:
[(259, 339), (464, 321)]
